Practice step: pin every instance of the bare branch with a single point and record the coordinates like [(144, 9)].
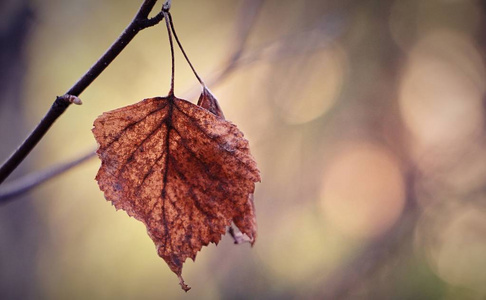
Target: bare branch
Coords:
[(139, 22)]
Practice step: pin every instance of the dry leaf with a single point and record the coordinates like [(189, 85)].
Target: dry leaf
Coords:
[(209, 102), (183, 171)]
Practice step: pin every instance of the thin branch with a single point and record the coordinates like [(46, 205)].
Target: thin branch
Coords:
[(139, 22), (30, 181)]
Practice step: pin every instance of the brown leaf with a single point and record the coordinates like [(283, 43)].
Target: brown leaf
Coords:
[(181, 170)]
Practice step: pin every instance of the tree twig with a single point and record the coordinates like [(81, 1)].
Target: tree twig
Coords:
[(139, 22), (30, 181)]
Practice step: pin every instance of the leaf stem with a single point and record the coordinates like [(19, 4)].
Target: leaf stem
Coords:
[(182, 49), (165, 12), (139, 22)]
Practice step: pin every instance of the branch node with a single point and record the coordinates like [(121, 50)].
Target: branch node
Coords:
[(166, 6), (150, 22), (71, 99)]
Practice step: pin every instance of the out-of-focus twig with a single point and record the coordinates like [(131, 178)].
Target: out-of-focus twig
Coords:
[(289, 45), (244, 25), (32, 180)]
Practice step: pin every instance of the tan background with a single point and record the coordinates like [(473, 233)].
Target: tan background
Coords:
[(367, 120)]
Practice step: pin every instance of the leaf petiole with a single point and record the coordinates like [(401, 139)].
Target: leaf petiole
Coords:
[(182, 49), (166, 14)]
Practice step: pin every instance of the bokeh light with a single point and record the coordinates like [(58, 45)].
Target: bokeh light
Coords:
[(442, 90), (315, 82), (363, 191), (456, 254)]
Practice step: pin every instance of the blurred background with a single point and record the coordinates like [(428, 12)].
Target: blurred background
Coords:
[(366, 118)]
